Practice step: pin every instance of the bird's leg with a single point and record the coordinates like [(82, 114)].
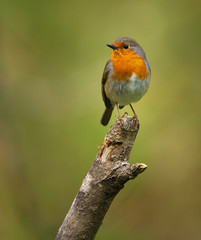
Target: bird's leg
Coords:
[(119, 118), (118, 110), (135, 115)]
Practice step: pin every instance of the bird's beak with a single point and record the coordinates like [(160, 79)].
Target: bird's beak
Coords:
[(112, 46)]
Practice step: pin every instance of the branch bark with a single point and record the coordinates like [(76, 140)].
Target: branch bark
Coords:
[(107, 176)]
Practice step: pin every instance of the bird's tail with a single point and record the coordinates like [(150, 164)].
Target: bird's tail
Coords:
[(106, 116)]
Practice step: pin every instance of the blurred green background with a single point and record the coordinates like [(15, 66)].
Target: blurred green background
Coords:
[(52, 55)]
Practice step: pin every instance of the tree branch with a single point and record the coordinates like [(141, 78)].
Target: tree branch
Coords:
[(107, 176)]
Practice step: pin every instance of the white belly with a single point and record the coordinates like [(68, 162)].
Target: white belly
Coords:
[(124, 93)]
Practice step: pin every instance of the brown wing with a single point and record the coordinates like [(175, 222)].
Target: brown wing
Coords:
[(104, 78)]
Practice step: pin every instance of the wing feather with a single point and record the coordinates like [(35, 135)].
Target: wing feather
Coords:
[(104, 78)]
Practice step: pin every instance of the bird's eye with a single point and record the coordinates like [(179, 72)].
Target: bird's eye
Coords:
[(126, 46)]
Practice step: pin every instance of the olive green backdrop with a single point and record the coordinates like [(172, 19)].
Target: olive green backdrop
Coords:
[(52, 55)]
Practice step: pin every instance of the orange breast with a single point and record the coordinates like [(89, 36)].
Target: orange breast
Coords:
[(127, 62)]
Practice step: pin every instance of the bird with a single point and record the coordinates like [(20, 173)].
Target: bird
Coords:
[(126, 76)]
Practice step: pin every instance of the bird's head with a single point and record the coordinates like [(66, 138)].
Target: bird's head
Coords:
[(126, 46)]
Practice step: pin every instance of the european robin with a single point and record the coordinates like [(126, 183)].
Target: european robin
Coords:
[(126, 76)]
